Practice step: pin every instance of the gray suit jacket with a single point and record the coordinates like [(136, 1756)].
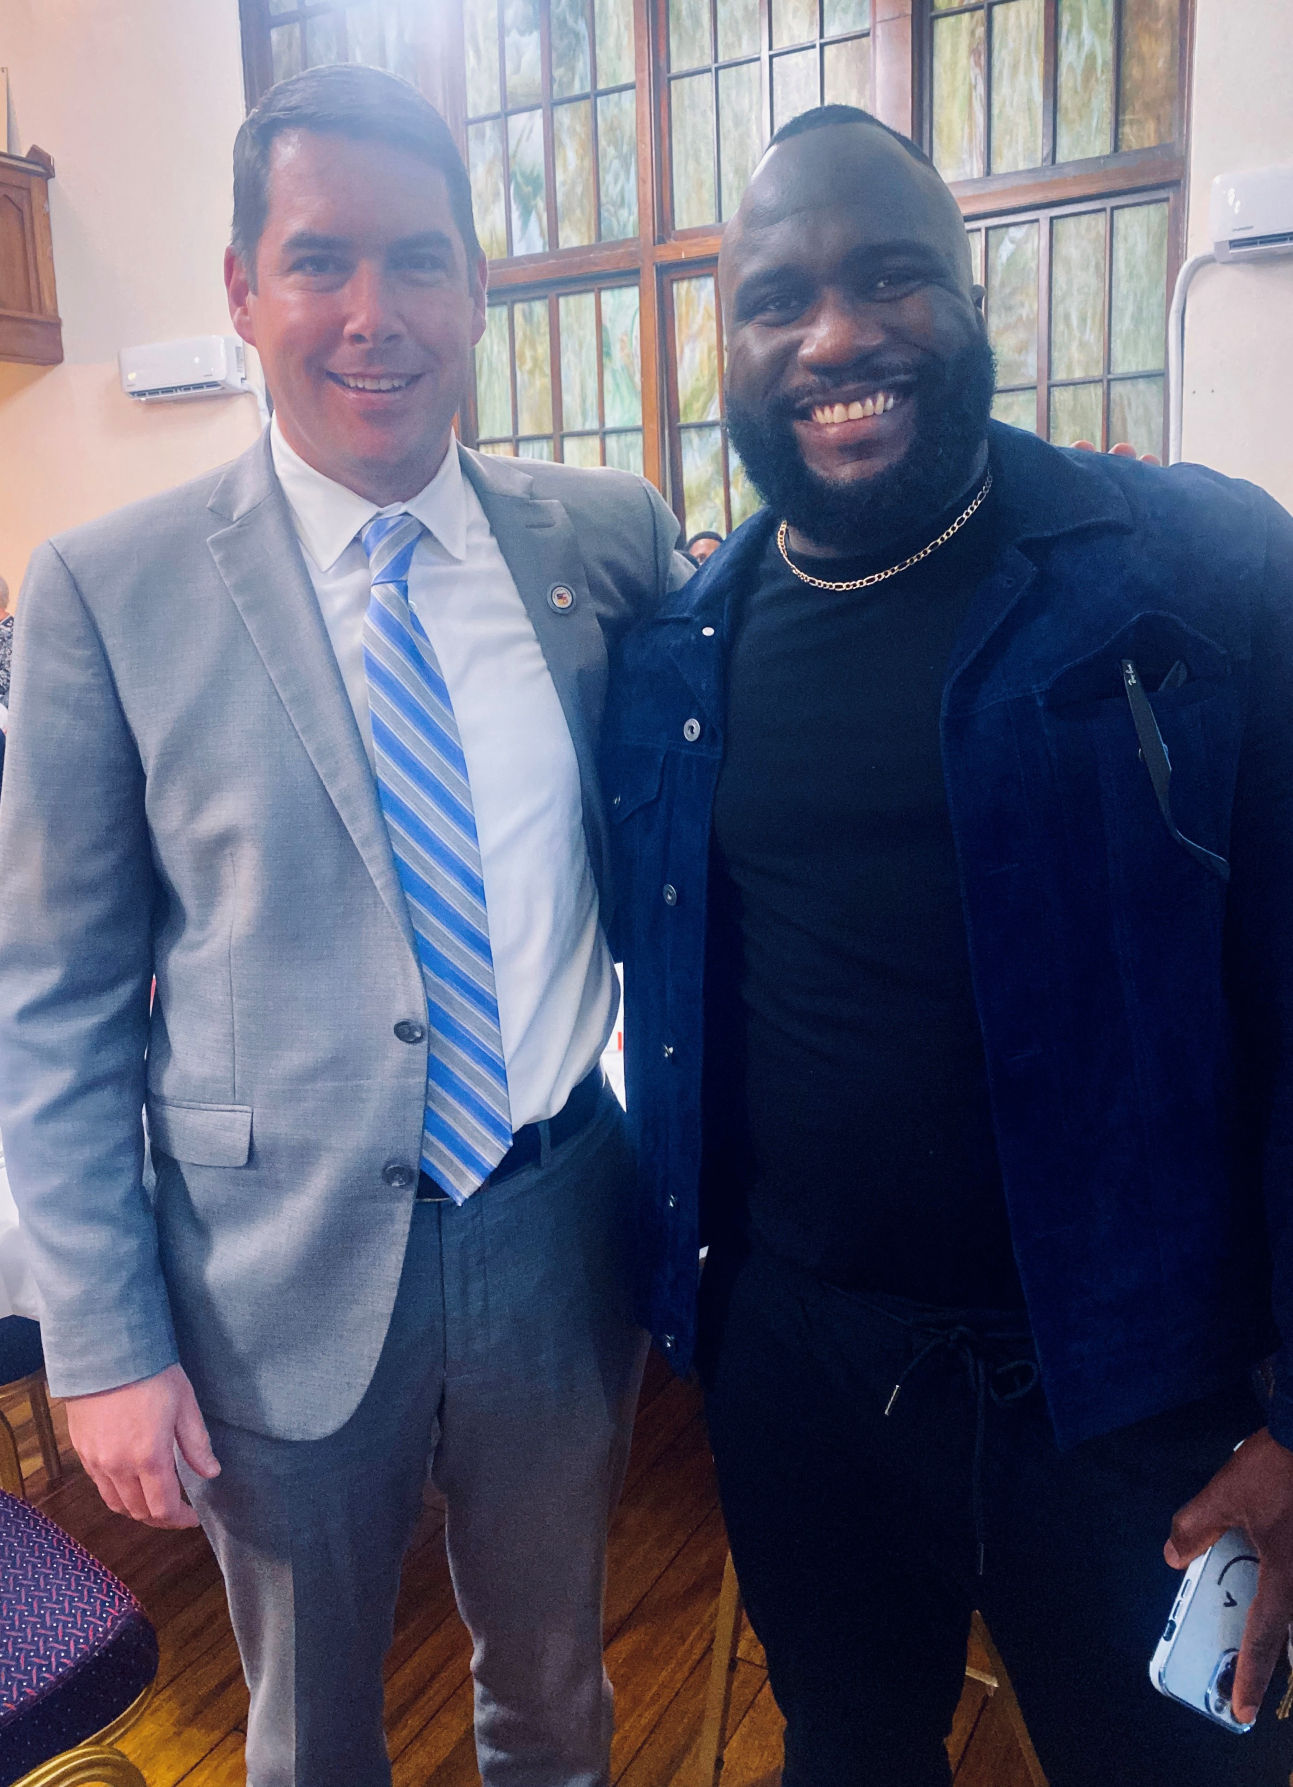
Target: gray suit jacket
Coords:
[(187, 796)]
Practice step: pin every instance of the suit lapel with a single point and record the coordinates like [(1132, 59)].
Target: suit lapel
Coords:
[(259, 557), (537, 539)]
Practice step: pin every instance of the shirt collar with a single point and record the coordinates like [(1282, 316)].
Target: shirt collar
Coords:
[(328, 515)]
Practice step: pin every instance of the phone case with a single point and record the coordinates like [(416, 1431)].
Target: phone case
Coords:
[(1196, 1656)]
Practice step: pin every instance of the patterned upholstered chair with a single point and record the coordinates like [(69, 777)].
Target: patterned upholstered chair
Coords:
[(22, 1368), (77, 1658)]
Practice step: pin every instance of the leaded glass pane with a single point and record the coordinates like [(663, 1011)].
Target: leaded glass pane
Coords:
[(493, 375), (1084, 79), (613, 41), (975, 239), (689, 45), (738, 29), (617, 164), (581, 449), (695, 335), (500, 449), (320, 41), (1012, 301), (1017, 37), (691, 105), (1136, 413), (702, 480), (376, 36), (959, 96), (1018, 408), (529, 192), (285, 51), (1077, 414), (846, 73), (572, 154), (1077, 296), (521, 50), (745, 498), (624, 451), (793, 21), (740, 131), (1138, 319), (839, 16), (485, 159), (533, 367), (577, 318), (795, 86), (1147, 73), (621, 357), (568, 32), (480, 42), (538, 449)]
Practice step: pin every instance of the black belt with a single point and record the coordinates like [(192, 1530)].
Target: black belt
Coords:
[(527, 1143)]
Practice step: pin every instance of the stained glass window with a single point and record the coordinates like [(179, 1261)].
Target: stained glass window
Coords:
[(1076, 303), (379, 33), (1110, 77), (551, 123), (560, 377), (732, 80), (711, 490)]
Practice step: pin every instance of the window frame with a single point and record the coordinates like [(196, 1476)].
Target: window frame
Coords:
[(901, 50)]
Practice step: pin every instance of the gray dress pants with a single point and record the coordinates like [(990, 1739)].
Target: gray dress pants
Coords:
[(510, 1371)]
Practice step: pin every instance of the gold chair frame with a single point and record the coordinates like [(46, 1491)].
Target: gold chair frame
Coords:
[(718, 1704), (97, 1762), (35, 1390)]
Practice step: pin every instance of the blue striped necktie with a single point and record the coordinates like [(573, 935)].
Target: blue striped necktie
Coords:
[(426, 796)]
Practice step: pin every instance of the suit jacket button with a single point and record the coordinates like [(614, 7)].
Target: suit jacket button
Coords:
[(668, 1051), (399, 1176), (691, 731), (670, 894), (408, 1032)]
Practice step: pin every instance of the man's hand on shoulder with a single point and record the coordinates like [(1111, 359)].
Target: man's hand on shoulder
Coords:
[(126, 1439), (1253, 1491)]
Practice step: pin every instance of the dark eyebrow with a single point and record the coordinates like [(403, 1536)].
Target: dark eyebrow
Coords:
[(312, 241), (316, 242)]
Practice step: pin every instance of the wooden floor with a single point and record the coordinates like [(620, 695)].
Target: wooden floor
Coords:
[(666, 1563)]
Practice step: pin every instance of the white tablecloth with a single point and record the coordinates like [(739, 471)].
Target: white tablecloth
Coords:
[(17, 1292)]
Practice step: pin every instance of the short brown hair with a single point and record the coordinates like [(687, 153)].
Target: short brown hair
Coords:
[(362, 103)]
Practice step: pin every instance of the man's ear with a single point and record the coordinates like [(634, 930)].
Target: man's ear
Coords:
[(978, 294), (239, 287)]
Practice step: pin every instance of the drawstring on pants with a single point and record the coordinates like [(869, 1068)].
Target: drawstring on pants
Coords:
[(985, 1381)]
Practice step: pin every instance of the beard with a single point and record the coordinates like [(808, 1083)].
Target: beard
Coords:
[(953, 400)]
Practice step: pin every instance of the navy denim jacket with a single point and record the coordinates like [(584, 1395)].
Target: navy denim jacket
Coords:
[(1137, 1011)]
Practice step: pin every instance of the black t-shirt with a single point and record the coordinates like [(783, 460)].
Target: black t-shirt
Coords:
[(846, 1091)]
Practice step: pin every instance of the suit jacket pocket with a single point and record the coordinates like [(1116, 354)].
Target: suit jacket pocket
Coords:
[(201, 1135)]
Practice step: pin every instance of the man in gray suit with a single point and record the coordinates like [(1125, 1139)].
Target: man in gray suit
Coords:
[(312, 741)]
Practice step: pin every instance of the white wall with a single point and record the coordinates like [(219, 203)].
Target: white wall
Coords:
[(1238, 413), (138, 102)]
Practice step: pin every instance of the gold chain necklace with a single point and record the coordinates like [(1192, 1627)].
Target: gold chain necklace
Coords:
[(907, 563)]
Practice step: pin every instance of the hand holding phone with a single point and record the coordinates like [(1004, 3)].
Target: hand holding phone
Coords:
[(1253, 1491)]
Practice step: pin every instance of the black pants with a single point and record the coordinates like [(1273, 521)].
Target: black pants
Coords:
[(856, 1539)]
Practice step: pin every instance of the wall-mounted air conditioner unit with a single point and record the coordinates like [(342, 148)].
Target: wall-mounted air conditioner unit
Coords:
[(174, 371)]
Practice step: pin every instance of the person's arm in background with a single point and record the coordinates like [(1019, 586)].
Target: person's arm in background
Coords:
[(75, 973), (1254, 1490)]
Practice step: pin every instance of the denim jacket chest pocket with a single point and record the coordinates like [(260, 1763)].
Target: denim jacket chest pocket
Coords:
[(1102, 781)]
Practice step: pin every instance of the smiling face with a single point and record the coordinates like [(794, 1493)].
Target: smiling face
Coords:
[(363, 308), (859, 376)]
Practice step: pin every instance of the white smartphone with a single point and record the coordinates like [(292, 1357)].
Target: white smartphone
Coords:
[(1199, 1650)]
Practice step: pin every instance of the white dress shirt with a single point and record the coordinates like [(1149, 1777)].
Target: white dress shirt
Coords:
[(556, 985)]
